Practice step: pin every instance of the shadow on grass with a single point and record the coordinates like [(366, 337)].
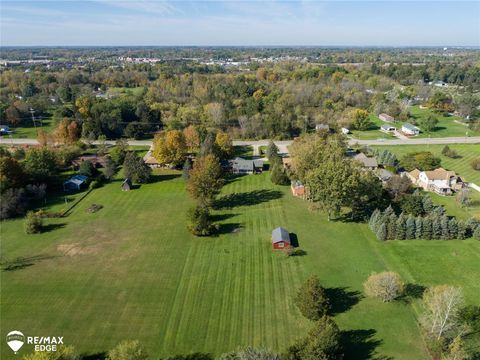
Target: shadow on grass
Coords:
[(229, 228), (24, 262), (360, 344), (341, 299), (194, 356), (247, 198), (412, 291), (97, 356), (294, 240), (52, 227), (163, 177)]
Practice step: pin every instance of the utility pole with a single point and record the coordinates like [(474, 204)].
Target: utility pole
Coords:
[(33, 119)]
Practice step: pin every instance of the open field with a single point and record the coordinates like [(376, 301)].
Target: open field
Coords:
[(132, 270), (116, 91), (28, 131), (373, 132)]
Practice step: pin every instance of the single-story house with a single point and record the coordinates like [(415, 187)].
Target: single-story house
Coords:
[(440, 181), (244, 166), (388, 128), (383, 174), (97, 161), (152, 162), (127, 185), (4, 129), (298, 189), (345, 131), (386, 117), (280, 238), (409, 129), (76, 182), (367, 162), (320, 127)]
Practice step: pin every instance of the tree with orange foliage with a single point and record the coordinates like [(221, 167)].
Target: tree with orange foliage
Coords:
[(192, 138)]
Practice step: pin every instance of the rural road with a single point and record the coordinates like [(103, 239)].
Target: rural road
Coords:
[(283, 144)]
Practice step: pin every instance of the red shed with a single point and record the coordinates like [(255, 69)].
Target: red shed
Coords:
[(280, 238)]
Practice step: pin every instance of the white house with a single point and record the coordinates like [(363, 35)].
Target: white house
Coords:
[(409, 129), (387, 128), (441, 181)]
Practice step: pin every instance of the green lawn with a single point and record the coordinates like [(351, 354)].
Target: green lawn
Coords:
[(28, 131), (374, 131), (116, 91), (132, 270)]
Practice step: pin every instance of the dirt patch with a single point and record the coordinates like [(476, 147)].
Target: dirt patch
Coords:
[(75, 249)]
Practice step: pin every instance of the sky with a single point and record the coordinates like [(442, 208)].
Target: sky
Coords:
[(239, 23)]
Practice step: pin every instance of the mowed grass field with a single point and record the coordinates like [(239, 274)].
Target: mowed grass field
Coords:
[(133, 271)]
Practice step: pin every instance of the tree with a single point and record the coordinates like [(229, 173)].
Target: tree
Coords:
[(475, 164), (33, 223), (423, 160), (428, 123), (11, 173), (199, 221), (135, 169), (447, 151), (87, 168), (322, 343), (311, 299), (386, 286), (127, 350), (170, 148), (110, 168), (456, 350), (382, 232), (192, 138), (187, 167), (215, 114), (442, 305), (13, 202), (278, 175), (205, 179), (250, 353), (119, 151), (40, 163), (62, 353), (360, 119), (224, 144), (272, 150), (398, 185), (209, 146)]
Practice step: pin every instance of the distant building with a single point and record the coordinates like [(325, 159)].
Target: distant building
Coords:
[(367, 162), (383, 175), (409, 129), (280, 238), (322, 127), (127, 185), (386, 117), (388, 128), (97, 161), (75, 183), (243, 166), (298, 189), (4, 129)]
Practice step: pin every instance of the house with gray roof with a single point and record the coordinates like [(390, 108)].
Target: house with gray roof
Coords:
[(244, 166), (75, 183), (280, 238)]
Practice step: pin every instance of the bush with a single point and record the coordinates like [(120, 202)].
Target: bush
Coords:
[(311, 299), (13, 202), (127, 350), (386, 286), (470, 315), (423, 160), (33, 223), (449, 152), (475, 164)]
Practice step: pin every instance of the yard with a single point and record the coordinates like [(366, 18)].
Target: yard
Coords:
[(28, 130), (132, 270)]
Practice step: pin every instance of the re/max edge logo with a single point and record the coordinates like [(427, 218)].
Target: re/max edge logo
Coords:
[(16, 339)]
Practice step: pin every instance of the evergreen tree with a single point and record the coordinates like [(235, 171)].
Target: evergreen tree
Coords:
[(427, 204), (476, 233), (452, 229), (419, 227), (372, 222), (445, 228), (382, 232), (272, 150), (410, 227), (436, 228), (311, 299), (462, 230), (401, 228), (389, 211), (187, 166), (391, 227), (427, 228)]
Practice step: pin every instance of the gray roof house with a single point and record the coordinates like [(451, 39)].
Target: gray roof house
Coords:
[(244, 166), (76, 182), (367, 162), (280, 238)]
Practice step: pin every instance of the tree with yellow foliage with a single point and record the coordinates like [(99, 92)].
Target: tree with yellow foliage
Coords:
[(170, 148)]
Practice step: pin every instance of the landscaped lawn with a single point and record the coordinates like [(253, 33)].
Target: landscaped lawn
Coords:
[(374, 131), (133, 271), (28, 131), (116, 91)]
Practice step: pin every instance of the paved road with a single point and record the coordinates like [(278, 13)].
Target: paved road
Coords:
[(283, 144)]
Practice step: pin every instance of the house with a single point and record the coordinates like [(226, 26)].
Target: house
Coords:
[(97, 161), (127, 185), (386, 117), (440, 181), (243, 166), (4, 130), (388, 128), (383, 174), (280, 238), (322, 127), (409, 129), (298, 189), (367, 162), (438, 83), (152, 162), (75, 183), (345, 131)]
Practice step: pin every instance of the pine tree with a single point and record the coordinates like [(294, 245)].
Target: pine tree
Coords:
[(400, 228), (389, 211), (187, 166), (462, 231), (419, 227), (382, 232), (445, 228), (427, 204), (436, 228), (475, 233), (452, 229), (410, 228), (427, 228), (391, 227), (373, 219)]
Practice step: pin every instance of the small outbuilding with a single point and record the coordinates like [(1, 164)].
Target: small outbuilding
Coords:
[(127, 185), (280, 238), (298, 189), (409, 129), (386, 117), (75, 183)]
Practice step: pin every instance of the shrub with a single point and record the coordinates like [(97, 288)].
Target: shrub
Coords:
[(33, 223), (199, 221), (386, 286), (449, 152), (127, 350), (475, 164), (311, 299)]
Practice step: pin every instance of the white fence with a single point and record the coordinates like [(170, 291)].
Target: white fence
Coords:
[(474, 186)]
